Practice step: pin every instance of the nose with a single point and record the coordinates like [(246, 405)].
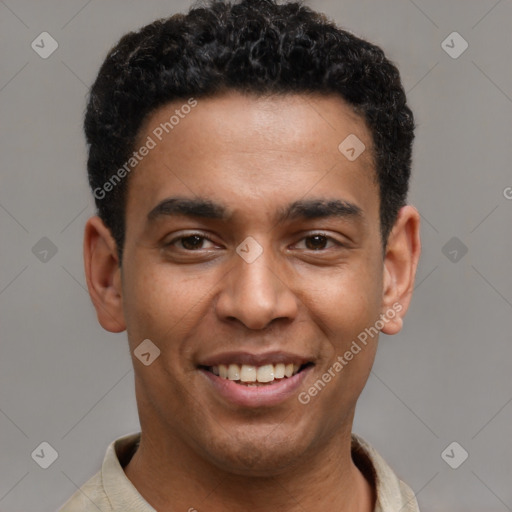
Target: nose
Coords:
[(256, 293)]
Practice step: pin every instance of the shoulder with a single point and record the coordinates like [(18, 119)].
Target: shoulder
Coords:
[(109, 489), (90, 497), (392, 493)]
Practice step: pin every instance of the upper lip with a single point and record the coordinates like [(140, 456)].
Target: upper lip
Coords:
[(254, 359)]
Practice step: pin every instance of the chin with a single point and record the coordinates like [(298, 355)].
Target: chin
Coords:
[(265, 453)]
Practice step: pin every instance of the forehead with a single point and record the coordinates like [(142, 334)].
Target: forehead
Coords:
[(256, 150), (248, 121)]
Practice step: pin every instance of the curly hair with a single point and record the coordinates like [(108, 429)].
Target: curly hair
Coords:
[(252, 46)]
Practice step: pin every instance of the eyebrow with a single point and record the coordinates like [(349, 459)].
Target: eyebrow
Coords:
[(301, 209), (320, 209), (202, 208)]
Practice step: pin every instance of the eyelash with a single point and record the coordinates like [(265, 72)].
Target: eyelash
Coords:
[(189, 235), (206, 237)]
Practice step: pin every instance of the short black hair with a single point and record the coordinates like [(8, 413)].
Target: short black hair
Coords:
[(255, 47)]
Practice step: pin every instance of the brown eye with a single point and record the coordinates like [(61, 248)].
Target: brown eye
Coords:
[(316, 242), (192, 242)]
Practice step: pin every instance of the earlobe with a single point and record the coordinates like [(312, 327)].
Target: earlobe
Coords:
[(400, 264), (103, 275)]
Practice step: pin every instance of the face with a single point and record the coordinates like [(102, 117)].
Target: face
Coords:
[(253, 251)]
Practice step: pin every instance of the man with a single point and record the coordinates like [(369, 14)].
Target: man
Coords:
[(250, 164)]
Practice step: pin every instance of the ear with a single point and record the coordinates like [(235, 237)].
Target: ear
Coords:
[(400, 264), (103, 275)]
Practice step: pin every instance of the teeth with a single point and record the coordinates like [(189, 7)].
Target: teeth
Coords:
[(249, 373), (234, 372), (279, 370), (265, 373), (223, 371)]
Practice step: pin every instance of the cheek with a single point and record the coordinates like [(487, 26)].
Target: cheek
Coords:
[(348, 301), (160, 303), (348, 310)]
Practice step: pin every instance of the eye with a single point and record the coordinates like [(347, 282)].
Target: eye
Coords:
[(190, 242), (318, 242)]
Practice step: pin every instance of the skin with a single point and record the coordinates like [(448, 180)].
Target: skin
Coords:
[(255, 156)]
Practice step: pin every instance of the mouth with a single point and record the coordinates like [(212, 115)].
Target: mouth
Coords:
[(254, 380), (256, 375)]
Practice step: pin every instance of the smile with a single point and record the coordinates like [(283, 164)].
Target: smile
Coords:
[(262, 379), (252, 375)]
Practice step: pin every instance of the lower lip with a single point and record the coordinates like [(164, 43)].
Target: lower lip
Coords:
[(259, 396)]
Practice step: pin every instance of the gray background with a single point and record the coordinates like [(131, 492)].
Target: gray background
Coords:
[(445, 378)]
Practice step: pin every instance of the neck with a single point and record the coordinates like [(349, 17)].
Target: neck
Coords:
[(171, 476)]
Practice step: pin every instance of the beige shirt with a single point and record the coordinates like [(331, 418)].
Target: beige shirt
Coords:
[(111, 491)]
